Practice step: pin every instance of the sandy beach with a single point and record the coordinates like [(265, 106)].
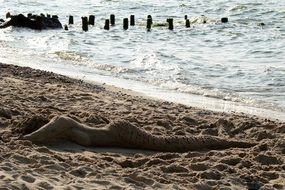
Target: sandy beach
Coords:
[(31, 98)]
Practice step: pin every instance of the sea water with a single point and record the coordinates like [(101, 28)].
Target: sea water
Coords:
[(234, 66)]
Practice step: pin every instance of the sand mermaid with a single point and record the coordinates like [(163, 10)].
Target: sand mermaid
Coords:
[(123, 134)]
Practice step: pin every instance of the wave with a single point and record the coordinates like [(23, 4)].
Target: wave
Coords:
[(76, 58)]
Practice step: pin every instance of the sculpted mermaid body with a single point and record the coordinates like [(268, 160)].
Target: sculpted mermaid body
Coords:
[(124, 134)]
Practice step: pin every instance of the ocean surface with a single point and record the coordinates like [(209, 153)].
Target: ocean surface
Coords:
[(237, 66)]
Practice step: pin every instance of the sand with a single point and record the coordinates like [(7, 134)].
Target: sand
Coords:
[(31, 98)]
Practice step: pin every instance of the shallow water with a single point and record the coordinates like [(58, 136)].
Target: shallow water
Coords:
[(240, 62)]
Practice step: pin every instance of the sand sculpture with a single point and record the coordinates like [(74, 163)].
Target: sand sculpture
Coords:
[(123, 134)]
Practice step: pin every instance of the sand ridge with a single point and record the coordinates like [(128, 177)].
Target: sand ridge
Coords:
[(31, 98)]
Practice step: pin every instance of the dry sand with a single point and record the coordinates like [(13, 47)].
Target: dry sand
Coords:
[(30, 98)]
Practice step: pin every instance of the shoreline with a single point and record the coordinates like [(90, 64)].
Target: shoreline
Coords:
[(197, 101), (151, 92), (30, 98)]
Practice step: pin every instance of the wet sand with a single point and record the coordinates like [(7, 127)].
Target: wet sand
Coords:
[(31, 98)]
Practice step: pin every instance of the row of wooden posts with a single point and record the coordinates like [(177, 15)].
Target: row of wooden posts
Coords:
[(111, 21)]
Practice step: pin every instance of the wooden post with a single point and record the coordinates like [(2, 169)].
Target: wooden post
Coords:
[(112, 19), (185, 17), (70, 20), (132, 20), (107, 24), (170, 23), (91, 20), (84, 24), (65, 27), (224, 20), (8, 15), (187, 24), (149, 17), (126, 23), (148, 24)]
